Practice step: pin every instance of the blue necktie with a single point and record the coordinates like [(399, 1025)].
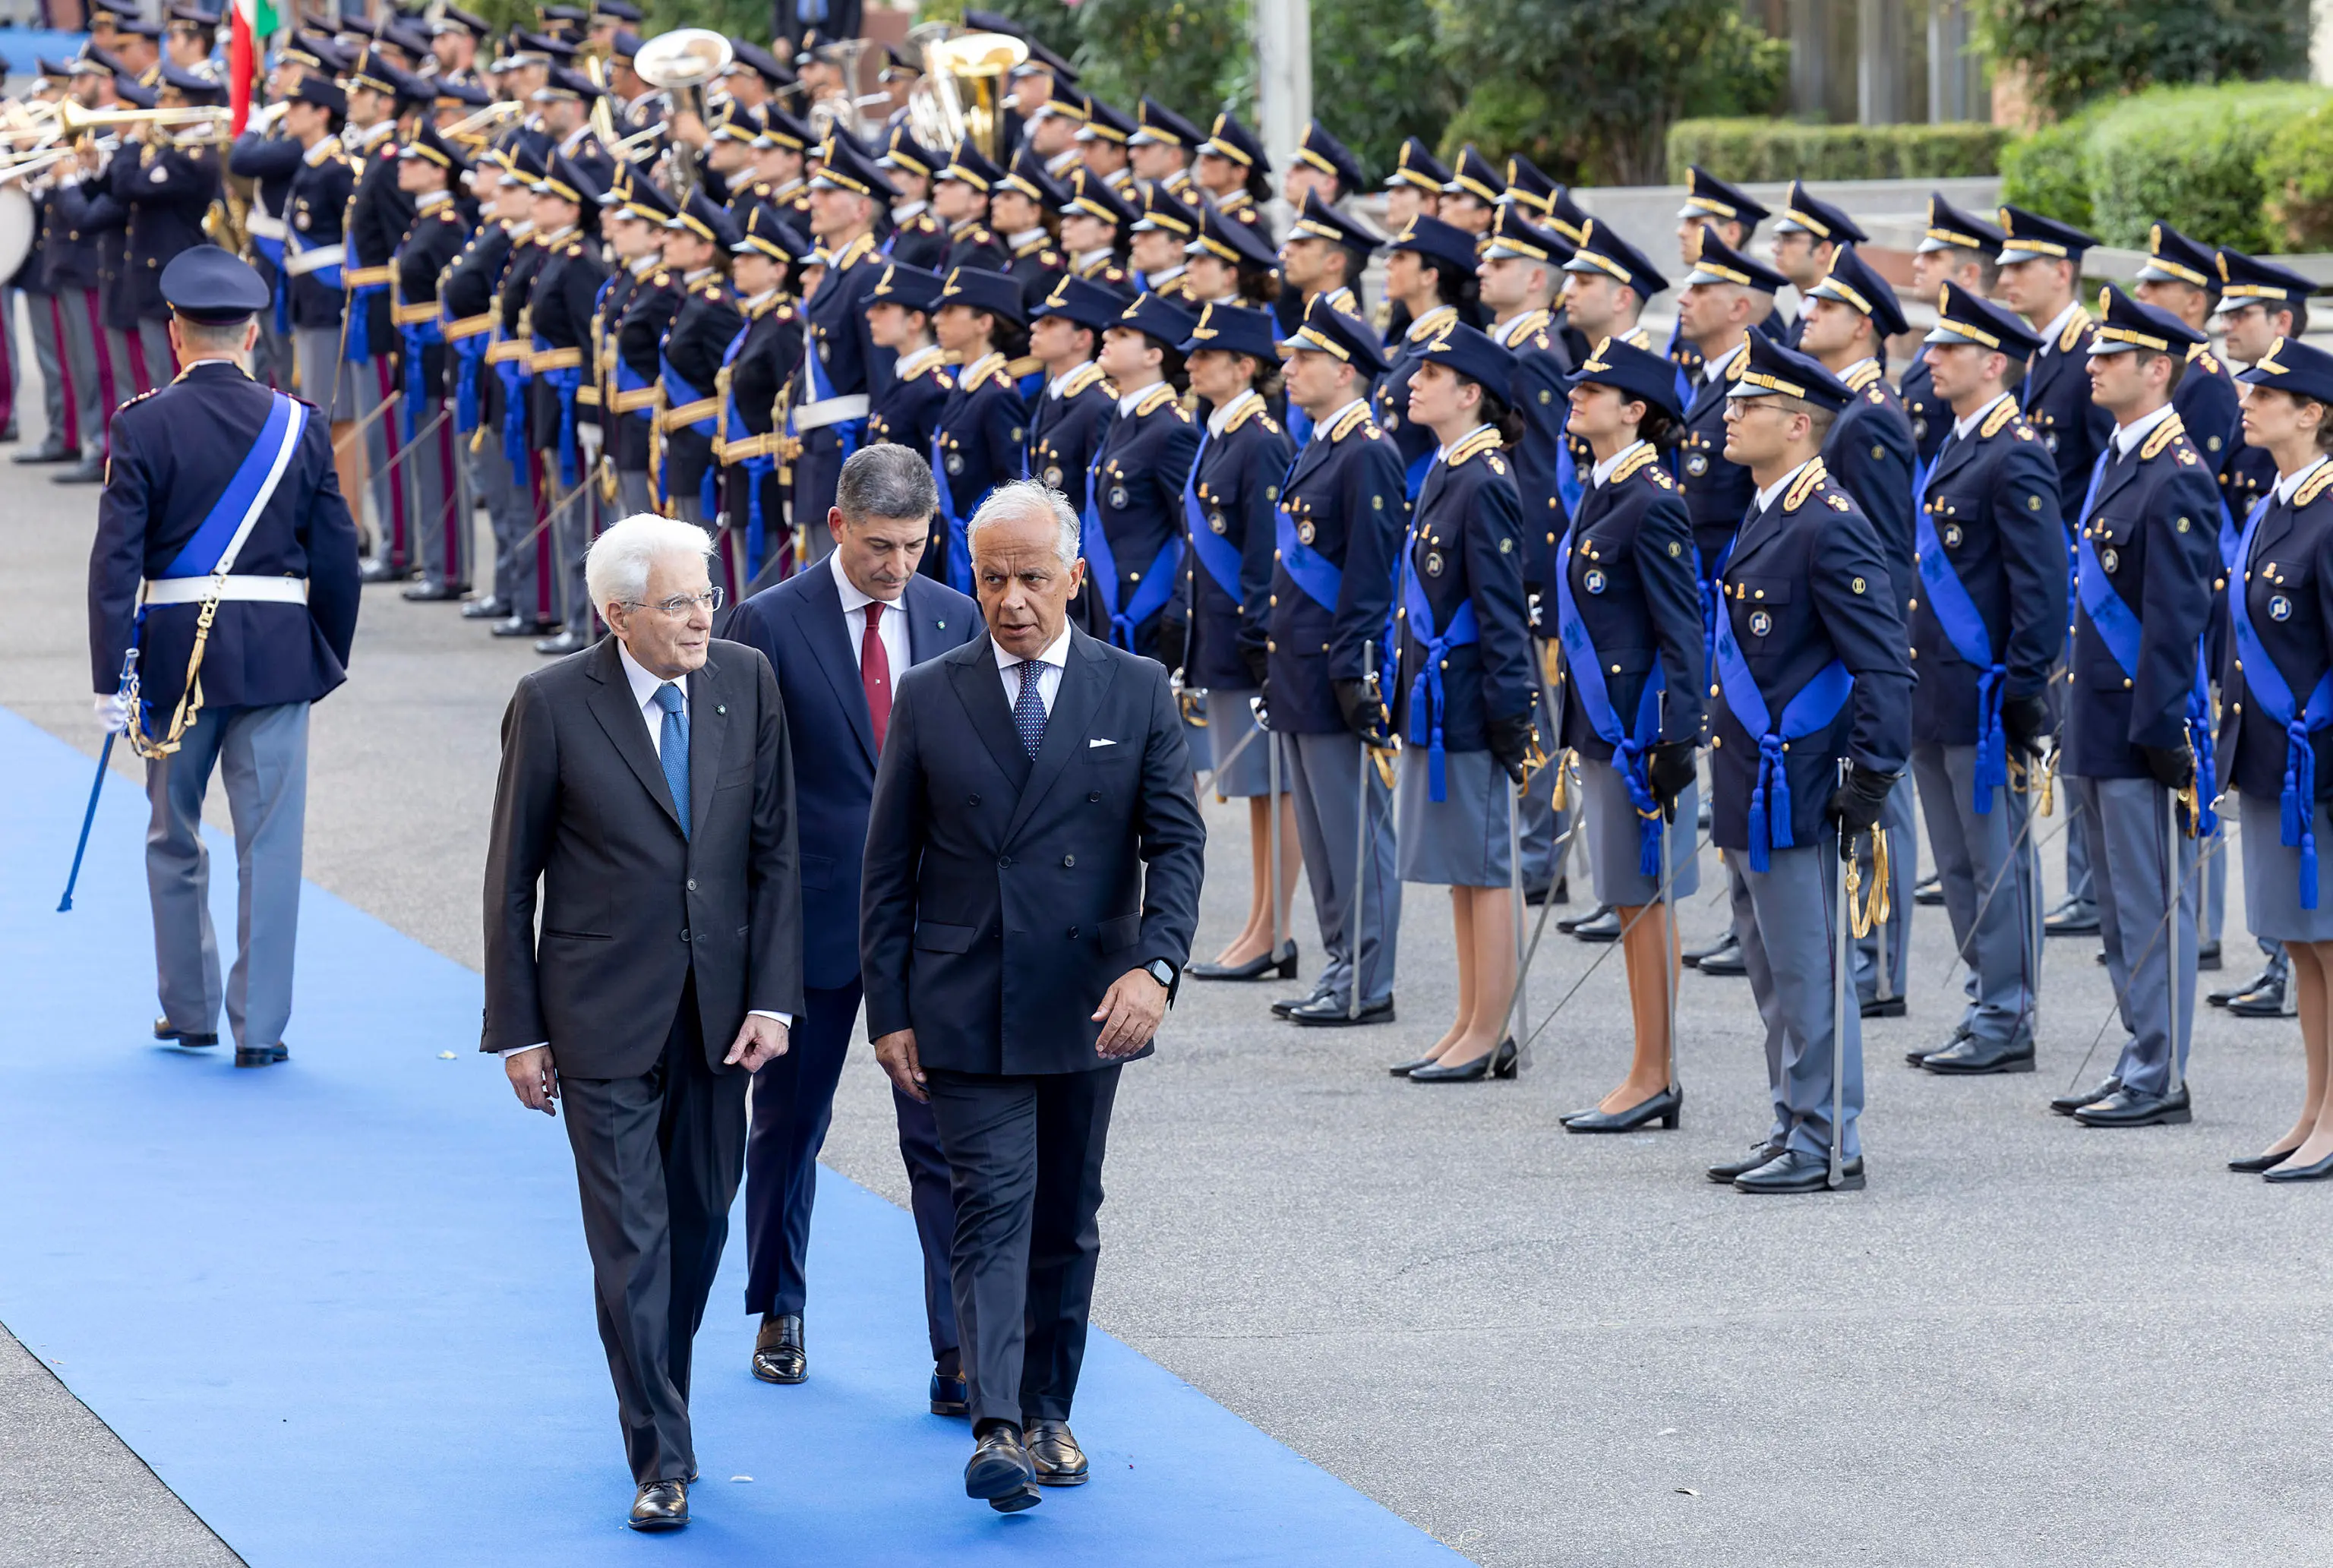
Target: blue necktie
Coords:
[(672, 747), (1028, 711)]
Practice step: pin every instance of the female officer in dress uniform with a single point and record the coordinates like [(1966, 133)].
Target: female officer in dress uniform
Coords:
[(899, 318), (1430, 272), (1230, 506), (1465, 707), (753, 371), (1230, 264), (1628, 612), (2272, 728), (697, 245), (1134, 490), (978, 445)]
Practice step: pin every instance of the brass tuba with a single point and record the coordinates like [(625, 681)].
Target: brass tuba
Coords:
[(962, 93), (681, 63)]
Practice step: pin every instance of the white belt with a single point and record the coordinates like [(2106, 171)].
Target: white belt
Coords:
[(828, 411), (263, 226), (301, 263), (194, 590)]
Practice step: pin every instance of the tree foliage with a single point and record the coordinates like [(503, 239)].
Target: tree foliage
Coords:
[(2074, 51), (1378, 79)]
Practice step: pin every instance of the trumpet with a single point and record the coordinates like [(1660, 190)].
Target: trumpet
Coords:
[(72, 119), (493, 114)]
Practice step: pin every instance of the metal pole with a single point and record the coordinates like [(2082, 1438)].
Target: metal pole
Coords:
[(1272, 831), (1283, 75), (1360, 854), (1839, 987), (2170, 1082), (1520, 1020), (1667, 914)]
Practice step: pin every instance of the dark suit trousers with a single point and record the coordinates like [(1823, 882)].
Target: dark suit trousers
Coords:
[(1026, 1154), (658, 1158), (793, 1101)]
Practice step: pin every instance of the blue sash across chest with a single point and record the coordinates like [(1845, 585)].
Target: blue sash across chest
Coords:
[(679, 394), (2273, 700), (1814, 707), (1157, 588), (1963, 627), (1628, 742), (1428, 704), (1217, 553), (756, 467)]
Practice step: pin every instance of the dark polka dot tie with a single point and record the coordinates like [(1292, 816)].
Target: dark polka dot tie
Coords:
[(1029, 712)]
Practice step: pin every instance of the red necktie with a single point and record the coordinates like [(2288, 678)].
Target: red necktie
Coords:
[(875, 672)]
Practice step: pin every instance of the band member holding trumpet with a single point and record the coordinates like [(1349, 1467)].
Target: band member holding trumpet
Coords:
[(1626, 613), (1466, 689), (427, 171)]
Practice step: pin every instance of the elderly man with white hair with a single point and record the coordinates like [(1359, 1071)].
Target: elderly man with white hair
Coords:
[(646, 805)]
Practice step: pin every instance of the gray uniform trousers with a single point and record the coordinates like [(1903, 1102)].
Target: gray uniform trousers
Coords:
[(1323, 775), (81, 358), (154, 341), (126, 384), (263, 753), (570, 538), (508, 512), (1782, 919), (45, 314), (1989, 893), (2081, 889), (632, 492), (429, 473), (2123, 818), (1900, 818), (390, 487)]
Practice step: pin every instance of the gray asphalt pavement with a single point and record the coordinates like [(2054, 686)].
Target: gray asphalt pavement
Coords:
[(2025, 1343)]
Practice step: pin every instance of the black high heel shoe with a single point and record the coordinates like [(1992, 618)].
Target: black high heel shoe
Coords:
[(1282, 963), (2255, 1164), (1664, 1107), (1496, 1064)]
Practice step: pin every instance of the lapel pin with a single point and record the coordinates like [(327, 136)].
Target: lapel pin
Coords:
[(942, 625), (720, 708)]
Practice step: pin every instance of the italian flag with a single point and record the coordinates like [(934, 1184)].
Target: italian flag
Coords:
[(255, 22)]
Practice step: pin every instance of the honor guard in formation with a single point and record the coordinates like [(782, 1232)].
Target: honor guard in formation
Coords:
[(635, 314), (917, 238), (1024, 206), (960, 198), (563, 429), (428, 171), (842, 368), (900, 310), (981, 440), (469, 308), (1808, 239), (1430, 269), (754, 368), (1714, 210), (223, 602), (696, 250), (379, 213), (509, 358), (1133, 515), (1156, 244), (1343, 516), (1095, 224), (1957, 249), (1067, 418)]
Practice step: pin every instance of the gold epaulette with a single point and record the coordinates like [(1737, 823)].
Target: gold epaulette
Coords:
[(2169, 430), (980, 371), (1532, 321), (556, 360), (1080, 380), (1637, 338), (2314, 486), (1354, 418), (1862, 376), (1998, 420), (1472, 447), (1809, 482), (1027, 364), (413, 315), (1435, 322), (366, 277), (2074, 331), (1244, 411), (1158, 398), (1645, 456)]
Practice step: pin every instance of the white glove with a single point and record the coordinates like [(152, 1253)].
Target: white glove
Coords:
[(587, 436), (112, 713)]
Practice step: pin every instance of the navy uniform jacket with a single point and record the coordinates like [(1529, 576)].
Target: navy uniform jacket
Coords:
[(1931, 416), (2056, 403), (2156, 528), (1806, 584), (757, 371), (907, 411), (847, 355), (435, 240), (973, 244), (1389, 405), (799, 627), (982, 441), (1065, 432), (560, 312), (378, 214), (168, 190), (320, 188), (1038, 266), (2288, 587), (701, 332), (1237, 487), (174, 451), (1631, 571), (69, 252), (466, 304), (1344, 499), (1002, 896), (2210, 407), (92, 210), (649, 310), (1539, 394), (269, 157), (1868, 455), (1136, 489), (920, 242), (2248, 474), (1717, 493), (1465, 543), (1992, 500)]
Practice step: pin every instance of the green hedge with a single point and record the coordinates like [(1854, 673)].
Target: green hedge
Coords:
[(2296, 176), (2043, 172), (1780, 150)]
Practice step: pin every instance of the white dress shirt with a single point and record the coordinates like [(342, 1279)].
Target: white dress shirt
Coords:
[(1768, 496), (2127, 437), (2049, 333), (1051, 664), (891, 626), (1601, 474), (1964, 428)]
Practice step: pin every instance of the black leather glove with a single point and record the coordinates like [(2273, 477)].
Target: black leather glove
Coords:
[(2025, 721), (1363, 715), (1669, 767), (1256, 660), (1855, 804), (1173, 642), (2174, 767), (1511, 740), (1263, 702)]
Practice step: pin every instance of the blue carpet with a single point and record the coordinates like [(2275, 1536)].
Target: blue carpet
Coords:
[(342, 1306)]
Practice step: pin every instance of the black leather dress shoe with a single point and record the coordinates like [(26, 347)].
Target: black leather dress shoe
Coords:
[(659, 1506), (88, 471), (261, 1055), (2067, 1104), (1329, 1013), (1282, 963), (1691, 958), (1560, 893), (163, 1031), (431, 592), (2072, 919), (47, 452), (1919, 1055), (522, 626), (570, 641), (488, 608), (2253, 1164), (1403, 1069), (1726, 959), (1054, 1454), (1881, 1007), (1664, 1107), (1973, 1057), (778, 1353), (1791, 1171), (1930, 892), (1571, 922), (1759, 1154), (949, 1396), (2129, 1108), (999, 1471), (1604, 925), (2315, 1170), (2265, 998), (1497, 1063), (2208, 956), (374, 568), (1287, 1005)]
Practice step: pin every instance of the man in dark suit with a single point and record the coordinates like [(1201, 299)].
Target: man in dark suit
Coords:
[(1016, 952), (836, 635), (646, 784)]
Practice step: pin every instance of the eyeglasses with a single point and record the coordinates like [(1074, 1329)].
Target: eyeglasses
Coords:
[(679, 605)]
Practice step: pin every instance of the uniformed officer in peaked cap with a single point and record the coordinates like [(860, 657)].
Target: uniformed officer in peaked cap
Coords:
[(1102, 143), (984, 424), (1342, 517), (1096, 224), (1024, 206), (1156, 241), (1234, 175), (2138, 740), (1133, 534), (1810, 729), (899, 310), (1324, 254), (1471, 196), (1533, 188), (1067, 418), (429, 171), (223, 601), (1050, 131), (1806, 235), (1712, 208), (1161, 149), (918, 237), (1955, 248), (1230, 262), (1323, 164), (1414, 189), (1430, 269), (841, 365), (1986, 633), (960, 193), (1607, 285)]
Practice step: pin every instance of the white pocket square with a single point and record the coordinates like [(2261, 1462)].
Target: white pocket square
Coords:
[(1091, 743)]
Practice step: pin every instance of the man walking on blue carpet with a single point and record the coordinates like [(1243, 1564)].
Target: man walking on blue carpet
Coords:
[(1031, 886), (647, 789), (223, 590), (839, 635)]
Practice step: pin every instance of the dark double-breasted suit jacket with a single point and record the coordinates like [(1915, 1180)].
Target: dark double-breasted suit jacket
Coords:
[(1003, 895)]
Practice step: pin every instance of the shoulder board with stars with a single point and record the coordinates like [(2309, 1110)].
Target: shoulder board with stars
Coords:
[(1645, 459), (2169, 430), (1808, 484), (712, 294), (574, 248), (1836, 502), (1998, 420), (660, 278), (2315, 485), (2200, 356), (1474, 446)]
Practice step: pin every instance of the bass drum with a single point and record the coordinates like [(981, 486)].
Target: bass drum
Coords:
[(17, 226)]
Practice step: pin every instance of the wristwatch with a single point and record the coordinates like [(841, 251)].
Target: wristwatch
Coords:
[(1159, 970)]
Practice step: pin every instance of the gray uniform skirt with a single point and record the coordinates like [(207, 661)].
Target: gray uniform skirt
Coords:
[(2272, 876), (316, 351), (1459, 841), (1230, 722), (1613, 849)]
